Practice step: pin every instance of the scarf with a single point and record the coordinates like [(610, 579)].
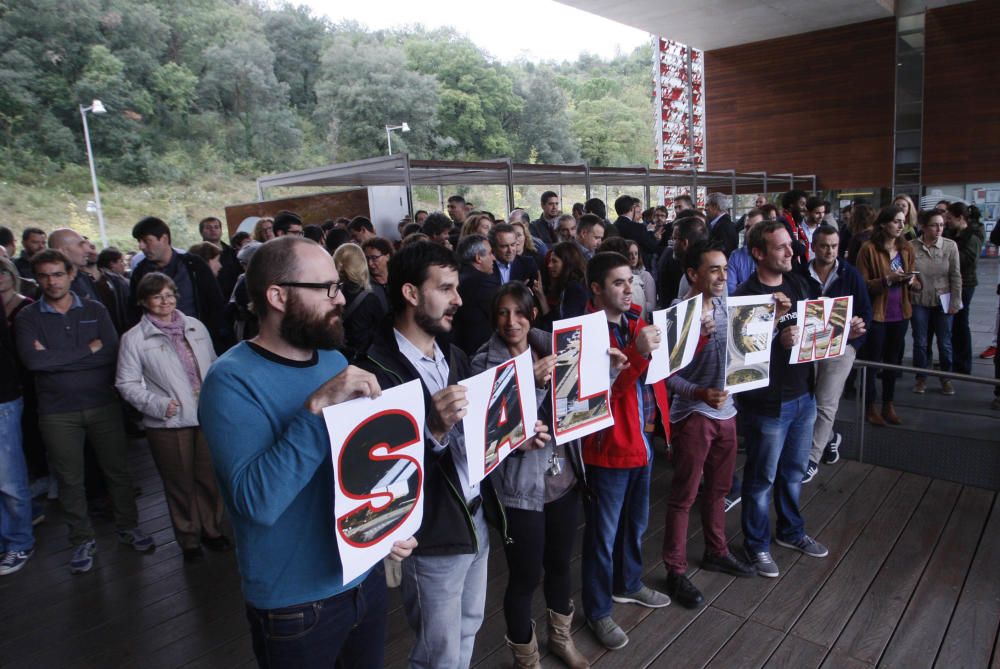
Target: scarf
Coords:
[(174, 329)]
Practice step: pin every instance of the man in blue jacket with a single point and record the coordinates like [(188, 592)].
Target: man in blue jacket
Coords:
[(261, 410), (830, 277)]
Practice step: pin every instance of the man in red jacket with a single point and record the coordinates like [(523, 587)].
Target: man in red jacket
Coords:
[(619, 460)]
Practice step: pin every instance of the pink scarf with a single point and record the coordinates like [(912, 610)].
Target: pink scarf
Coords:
[(174, 329)]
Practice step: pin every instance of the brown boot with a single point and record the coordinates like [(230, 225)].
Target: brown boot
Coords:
[(889, 413), (525, 654), (561, 640), (874, 417)]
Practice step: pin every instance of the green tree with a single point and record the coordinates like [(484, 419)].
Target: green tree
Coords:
[(543, 130), (610, 135), (297, 39)]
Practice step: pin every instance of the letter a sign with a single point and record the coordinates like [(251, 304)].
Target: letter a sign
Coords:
[(377, 447), (501, 414)]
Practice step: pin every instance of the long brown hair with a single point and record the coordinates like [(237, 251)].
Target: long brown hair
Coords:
[(574, 268)]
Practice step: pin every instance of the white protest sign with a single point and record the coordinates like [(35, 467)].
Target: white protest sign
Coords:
[(824, 324), (581, 380), (680, 328), (378, 472), (748, 344), (501, 413)]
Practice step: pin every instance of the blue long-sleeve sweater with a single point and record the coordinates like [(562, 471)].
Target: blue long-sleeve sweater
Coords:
[(272, 460)]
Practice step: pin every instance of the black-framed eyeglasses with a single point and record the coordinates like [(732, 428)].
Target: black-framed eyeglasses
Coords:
[(374, 257), (332, 288)]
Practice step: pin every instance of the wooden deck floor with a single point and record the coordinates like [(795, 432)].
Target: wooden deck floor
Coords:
[(911, 581)]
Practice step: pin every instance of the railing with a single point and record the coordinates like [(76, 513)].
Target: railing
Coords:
[(976, 471)]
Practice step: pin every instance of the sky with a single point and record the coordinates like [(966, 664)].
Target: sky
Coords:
[(535, 30)]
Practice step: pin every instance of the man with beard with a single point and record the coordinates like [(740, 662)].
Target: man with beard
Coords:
[(444, 583), (703, 434), (261, 410)]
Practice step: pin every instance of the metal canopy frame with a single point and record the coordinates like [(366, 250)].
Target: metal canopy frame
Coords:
[(400, 170)]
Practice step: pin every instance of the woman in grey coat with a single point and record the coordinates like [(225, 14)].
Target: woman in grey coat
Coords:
[(539, 489), (161, 364)]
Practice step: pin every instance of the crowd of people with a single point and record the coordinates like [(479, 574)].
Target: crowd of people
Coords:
[(224, 355)]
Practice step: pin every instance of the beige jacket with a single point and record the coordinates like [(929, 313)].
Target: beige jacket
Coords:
[(939, 273), (150, 373)]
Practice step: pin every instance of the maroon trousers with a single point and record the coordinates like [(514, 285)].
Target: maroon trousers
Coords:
[(700, 444)]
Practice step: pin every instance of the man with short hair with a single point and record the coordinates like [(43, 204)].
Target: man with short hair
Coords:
[(477, 284), (261, 407), (198, 293), (661, 222), (630, 225), (509, 266), (456, 210), (702, 434), (780, 416), (590, 234), (720, 226), (619, 459), (815, 211), (566, 228), (7, 242), (688, 229), (361, 230), (444, 581), (545, 226), (110, 288), (287, 223), (829, 276), (210, 229), (682, 203), (793, 207), (71, 244), (71, 346), (32, 241)]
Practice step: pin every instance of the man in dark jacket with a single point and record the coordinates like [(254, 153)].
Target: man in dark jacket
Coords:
[(444, 581), (630, 226), (509, 266), (830, 277), (198, 293), (544, 227), (720, 226), (210, 229), (477, 286)]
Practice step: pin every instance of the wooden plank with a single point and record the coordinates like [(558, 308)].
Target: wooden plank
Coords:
[(745, 595), (749, 647), (695, 647), (848, 581), (796, 653), (838, 661), (973, 629), (918, 636), (872, 624)]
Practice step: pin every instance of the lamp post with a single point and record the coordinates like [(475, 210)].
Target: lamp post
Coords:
[(405, 127), (96, 107)]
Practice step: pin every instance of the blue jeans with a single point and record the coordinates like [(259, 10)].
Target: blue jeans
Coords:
[(936, 320), (617, 516), (445, 599), (777, 457), (15, 495), (346, 630)]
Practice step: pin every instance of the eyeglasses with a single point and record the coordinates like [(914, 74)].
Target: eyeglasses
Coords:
[(164, 297), (374, 257), (332, 288)]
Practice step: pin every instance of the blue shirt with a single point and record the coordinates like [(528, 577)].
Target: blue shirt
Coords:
[(272, 460)]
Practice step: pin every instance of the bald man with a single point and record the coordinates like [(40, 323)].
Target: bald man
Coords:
[(106, 289)]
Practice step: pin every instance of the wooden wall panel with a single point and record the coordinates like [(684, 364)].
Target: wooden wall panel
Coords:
[(816, 103), (961, 141), (314, 209)]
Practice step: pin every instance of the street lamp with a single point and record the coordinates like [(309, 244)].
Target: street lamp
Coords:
[(405, 127), (96, 107)]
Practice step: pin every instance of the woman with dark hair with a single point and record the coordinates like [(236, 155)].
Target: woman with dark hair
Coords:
[(210, 253), (162, 362), (538, 488), (966, 231), (564, 282), (862, 224), (886, 263)]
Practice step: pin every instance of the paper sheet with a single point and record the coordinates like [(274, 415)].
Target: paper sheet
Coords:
[(824, 325), (581, 380), (680, 326), (378, 472), (501, 414), (748, 345)]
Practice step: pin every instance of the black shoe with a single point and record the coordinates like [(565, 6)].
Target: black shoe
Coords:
[(811, 472), (682, 591), (831, 453), (193, 554), (727, 564), (219, 544)]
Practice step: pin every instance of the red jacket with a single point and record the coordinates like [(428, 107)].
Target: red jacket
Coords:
[(622, 445)]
